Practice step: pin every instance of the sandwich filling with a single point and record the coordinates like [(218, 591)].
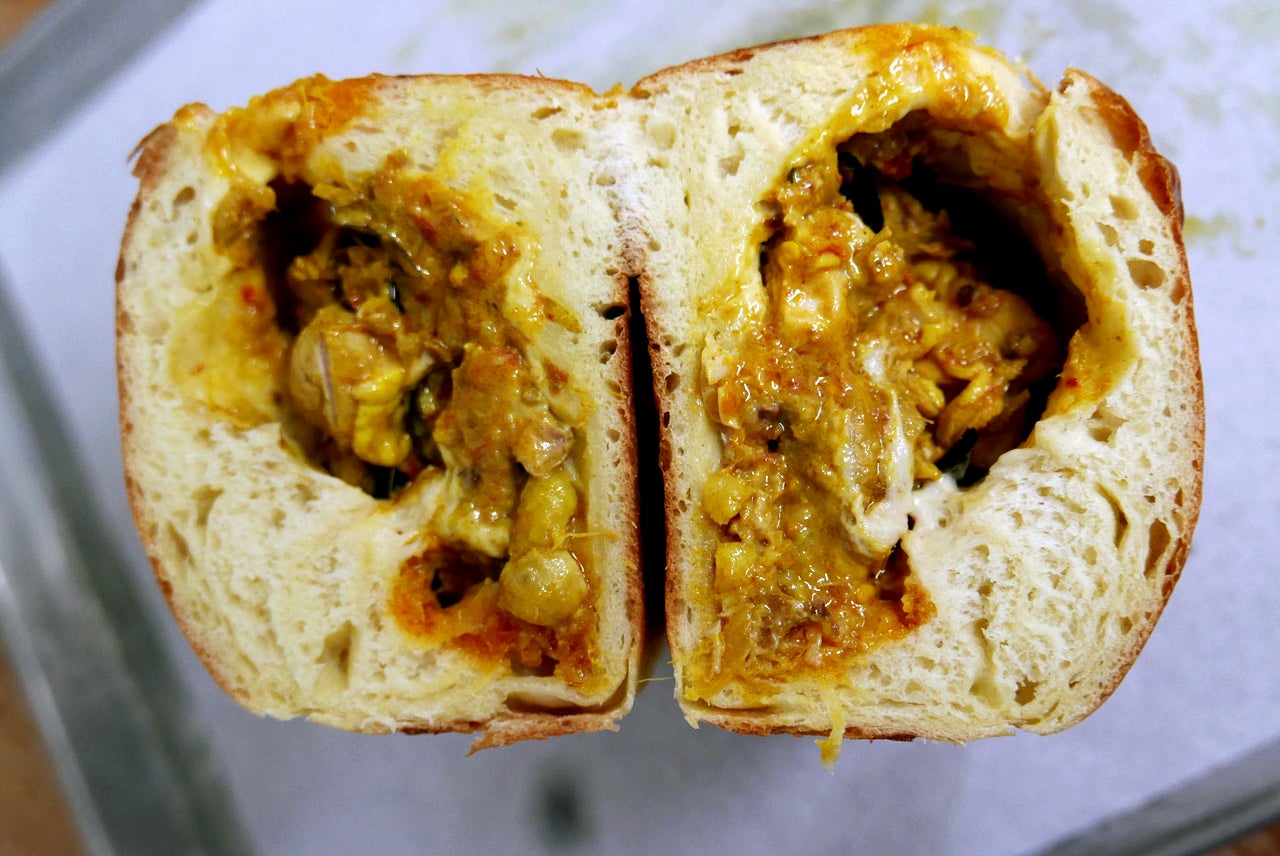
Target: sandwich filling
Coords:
[(386, 323), (878, 359)]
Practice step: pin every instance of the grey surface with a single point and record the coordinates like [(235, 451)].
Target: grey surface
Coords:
[(100, 681), (62, 58), (98, 674), (1206, 812)]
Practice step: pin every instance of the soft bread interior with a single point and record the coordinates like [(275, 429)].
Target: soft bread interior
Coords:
[(281, 573), (1047, 575)]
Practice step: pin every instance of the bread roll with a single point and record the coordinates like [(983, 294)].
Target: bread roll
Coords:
[(827, 344), (376, 404), (923, 352)]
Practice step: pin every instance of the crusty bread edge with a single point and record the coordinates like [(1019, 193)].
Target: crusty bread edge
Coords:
[(1162, 182)]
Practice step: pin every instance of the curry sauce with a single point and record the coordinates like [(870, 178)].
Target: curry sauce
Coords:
[(370, 317), (879, 355)]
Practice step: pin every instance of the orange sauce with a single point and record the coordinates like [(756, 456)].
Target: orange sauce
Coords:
[(878, 351), (367, 314)]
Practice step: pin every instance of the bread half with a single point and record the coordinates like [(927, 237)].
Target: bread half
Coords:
[(929, 382), (376, 404)]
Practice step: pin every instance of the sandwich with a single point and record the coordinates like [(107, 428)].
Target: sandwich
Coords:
[(376, 406), (923, 355), (929, 386)]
